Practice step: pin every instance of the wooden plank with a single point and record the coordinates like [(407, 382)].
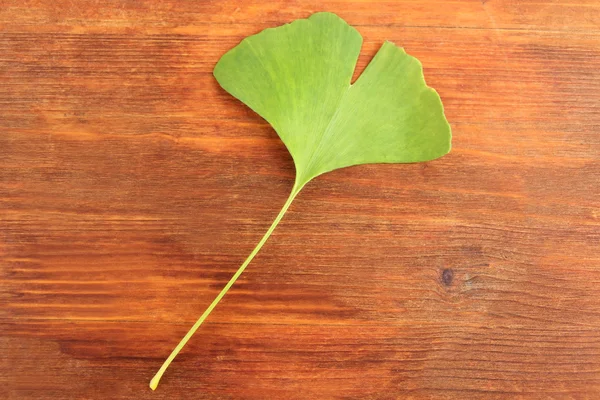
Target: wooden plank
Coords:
[(207, 16), (132, 186)]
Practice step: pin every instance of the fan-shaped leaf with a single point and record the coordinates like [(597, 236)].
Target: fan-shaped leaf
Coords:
[(297, 77)]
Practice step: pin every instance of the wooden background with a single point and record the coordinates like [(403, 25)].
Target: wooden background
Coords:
[(132, 187)]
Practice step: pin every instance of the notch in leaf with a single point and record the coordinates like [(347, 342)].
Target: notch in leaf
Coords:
[(297, 77)]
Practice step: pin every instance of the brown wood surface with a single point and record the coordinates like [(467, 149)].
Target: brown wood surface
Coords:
[(132, 187)]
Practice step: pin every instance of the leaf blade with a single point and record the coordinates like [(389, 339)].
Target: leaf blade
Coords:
[(297, 77)]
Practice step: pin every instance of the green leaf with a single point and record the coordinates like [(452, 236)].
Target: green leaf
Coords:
[(298, 78)]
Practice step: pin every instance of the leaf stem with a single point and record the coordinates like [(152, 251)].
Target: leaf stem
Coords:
[(154, 382)]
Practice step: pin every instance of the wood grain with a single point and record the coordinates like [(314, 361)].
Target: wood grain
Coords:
[(132, 186)]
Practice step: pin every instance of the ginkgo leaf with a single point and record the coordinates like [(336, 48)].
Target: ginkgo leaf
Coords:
[(298, 78)]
